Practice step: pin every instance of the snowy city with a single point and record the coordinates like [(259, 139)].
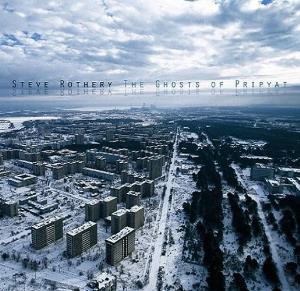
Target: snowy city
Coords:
[(150, 199)]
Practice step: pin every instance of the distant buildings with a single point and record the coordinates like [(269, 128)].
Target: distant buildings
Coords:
[(37, 168), (96, 209), (133, 217), (133, 198), (289, 172), (110, 135), (46, 232), (155, 167), (121, 165), (273, 186), (107, 206), (145, 187), (98, 174), (118, 220), (60, 170), (120, 245), (100, 163), (81, 239), (120, 192), (136, 217), (79, 139), (154, 164), (92, 210), (259, 172)]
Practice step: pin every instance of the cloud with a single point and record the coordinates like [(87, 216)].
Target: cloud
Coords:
[(133, 39)]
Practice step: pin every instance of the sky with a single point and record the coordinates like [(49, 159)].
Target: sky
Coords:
[(149, 40)]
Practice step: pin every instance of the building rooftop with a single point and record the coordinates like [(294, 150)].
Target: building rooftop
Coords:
[(121, 234), (81, 228), (109, 198), (120, 212), (24, 177), (133, 193), (93, 202), (295, 170), (273, 183), (136, 208), (46, 221), (256, 157), (262, 166)]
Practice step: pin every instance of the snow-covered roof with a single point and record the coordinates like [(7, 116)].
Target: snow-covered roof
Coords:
[(109, 198), (136, 208), (46, 221), (81, 228), (121, 234), (133, 193), (120, 212)]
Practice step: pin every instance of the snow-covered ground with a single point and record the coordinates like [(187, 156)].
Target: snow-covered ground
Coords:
[(280, 249)]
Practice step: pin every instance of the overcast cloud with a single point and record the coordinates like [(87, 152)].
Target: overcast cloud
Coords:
[(142, 39)]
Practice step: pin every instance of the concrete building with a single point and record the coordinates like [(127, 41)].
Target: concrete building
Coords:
[(100, 163), (147, 188), (121, 166), (142, 163), (98, 174), (22, 180), (259, 172), (9, 208), (273, 186), (155, 167), (110, 135), (38, 169), (136, 217), (120, 192), (133, 198), (131, 177), (103, 282), (118, 220), (120, 245), (289, 172), (79, 139), (108, 205), (46, 232), (30, 157), (58, 172), (81, 239), (92, 210)]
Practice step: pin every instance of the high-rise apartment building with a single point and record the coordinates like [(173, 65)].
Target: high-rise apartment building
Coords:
[(46, 232), (120, 245), (81, 239)]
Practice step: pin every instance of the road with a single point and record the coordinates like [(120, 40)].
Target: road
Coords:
[(158, 244)]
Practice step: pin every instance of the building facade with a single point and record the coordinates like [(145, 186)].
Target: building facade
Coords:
[(120, 245), (46, 232), (81, 239)]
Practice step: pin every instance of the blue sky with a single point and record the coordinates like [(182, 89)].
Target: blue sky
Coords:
[(131, 39)]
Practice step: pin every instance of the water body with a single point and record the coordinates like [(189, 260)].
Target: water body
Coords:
[(18, 121)]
